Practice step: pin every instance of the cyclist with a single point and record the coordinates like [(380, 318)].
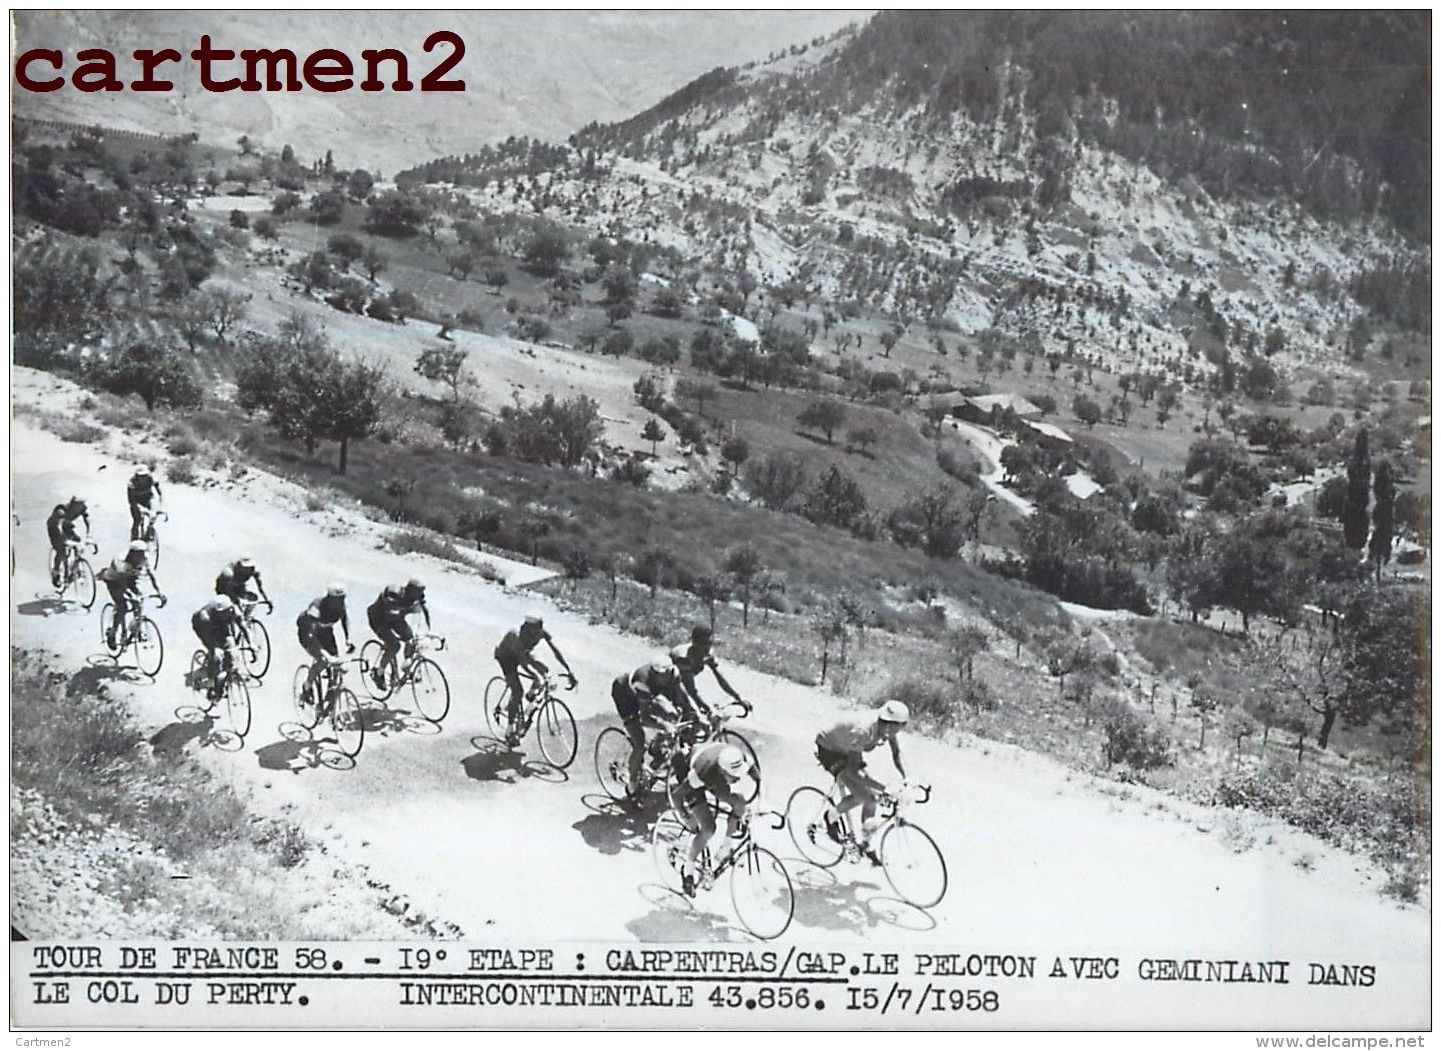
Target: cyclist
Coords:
[(513, 655), (217, 624), (143, 493), (648, 695), (387, 616), (841, 752), (695, 658), (715, 769), (316, 630), (61, 527), (235, 580), (122, 580)]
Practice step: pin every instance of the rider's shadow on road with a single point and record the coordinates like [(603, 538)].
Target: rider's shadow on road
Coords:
[(42, 606), (494, 762), (298, 750), (95, 678), (674, 919), (826, 901), (612, 827)]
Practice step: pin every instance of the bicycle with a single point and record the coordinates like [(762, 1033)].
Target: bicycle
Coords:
[(136, 630), (229, 683), (554, 724), (76, 574), (612, 755), (334, 701), (760, 886), (912, 862), (254, 638), (427, 682), (152, 538)]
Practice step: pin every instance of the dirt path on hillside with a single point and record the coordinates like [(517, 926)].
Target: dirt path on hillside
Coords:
[(1042, 859)]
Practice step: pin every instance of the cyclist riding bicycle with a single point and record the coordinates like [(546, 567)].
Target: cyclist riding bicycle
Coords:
[(695, 658), (143, 494), (63, 534), (235, 580), (513, 655), (217, 624), (716, 769), (122, 579), (651, 693), (841, 752), (387, 616), (315, 628)]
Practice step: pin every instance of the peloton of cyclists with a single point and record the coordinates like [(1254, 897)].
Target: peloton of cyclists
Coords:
[(841, 748), (514, 655), (387, 616), (143, 495), (122, 579), (217, 625), (63, 534)]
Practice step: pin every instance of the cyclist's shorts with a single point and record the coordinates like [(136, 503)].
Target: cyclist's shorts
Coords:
[(389, 628), (834, 762), (211, 637), (316, 636), (627, 705)]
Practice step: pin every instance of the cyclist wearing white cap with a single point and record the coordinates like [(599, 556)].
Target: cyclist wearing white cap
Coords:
[(716, 770), (122, 579), (143, 493), (513, 655), (316, 630), (841, 752)]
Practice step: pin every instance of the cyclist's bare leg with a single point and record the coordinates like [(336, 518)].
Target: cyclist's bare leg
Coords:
[(704, 820), (636, 732)]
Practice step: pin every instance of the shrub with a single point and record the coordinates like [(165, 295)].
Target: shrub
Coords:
[(183, 444), (421, 542), (182, 471), (931, 700), (1133, 740), (76, 431)]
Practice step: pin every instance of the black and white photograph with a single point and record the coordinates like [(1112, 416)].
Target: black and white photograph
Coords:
[(748, 519)]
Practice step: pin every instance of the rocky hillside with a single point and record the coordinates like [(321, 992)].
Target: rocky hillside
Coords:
[(1251, 214)]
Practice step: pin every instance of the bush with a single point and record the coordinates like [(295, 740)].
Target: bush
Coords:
[(182, 471), (931, 700), (1133, 739), (421, 542), (77, 431)]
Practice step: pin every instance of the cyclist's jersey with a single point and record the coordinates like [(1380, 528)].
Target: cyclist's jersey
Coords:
[(217, 617), (647, 684), (391, 604), (853, 734), (706, 773), (141, 489), (234, 578), (59, 526), (324, 611), (121, 573), (515, 648), (689, 662)]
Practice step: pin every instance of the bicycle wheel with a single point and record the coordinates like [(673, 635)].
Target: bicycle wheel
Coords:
[(496, 694), (555, 733), (107, 615), (237, 703), (372, 654), (430, 690), (806, 818), (81, 584), (307, 712), (257, 653), (612, 763), (914, 866), (149, 648), (734, 739), (669, 841), (198, 679), (762, 894), (348, 722)]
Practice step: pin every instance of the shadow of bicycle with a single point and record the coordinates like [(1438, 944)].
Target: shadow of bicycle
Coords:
[(676, 918), (825, 901), (612, 827), (300, 749), (45, 606), (95, 678), (493, 761)]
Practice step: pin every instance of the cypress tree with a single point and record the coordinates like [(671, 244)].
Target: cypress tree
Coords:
[(1383, 516), (1354, 517)]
